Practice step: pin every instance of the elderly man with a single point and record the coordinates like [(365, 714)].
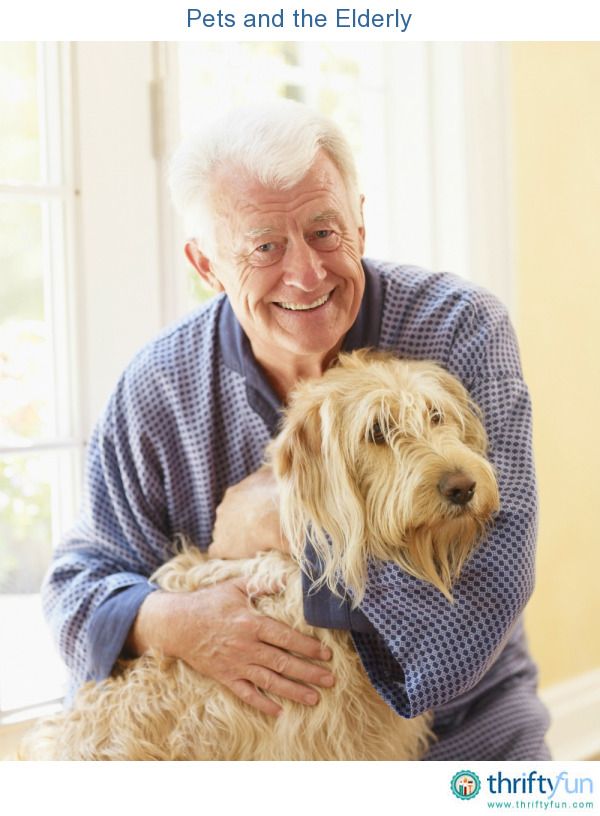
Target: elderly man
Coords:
[(270, 196)]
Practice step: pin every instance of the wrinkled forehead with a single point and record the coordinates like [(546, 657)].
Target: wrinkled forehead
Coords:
[(252, 203)]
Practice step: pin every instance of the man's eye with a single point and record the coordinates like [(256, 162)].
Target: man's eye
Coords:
[(268, 253), (325, 239)]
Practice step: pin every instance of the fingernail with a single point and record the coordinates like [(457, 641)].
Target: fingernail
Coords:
[(325, 652), (311, 698), (327, 680)]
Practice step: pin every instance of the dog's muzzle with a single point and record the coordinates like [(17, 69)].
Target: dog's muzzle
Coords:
[(457, 487)]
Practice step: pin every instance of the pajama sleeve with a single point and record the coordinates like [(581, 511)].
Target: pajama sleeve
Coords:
[(99, 575)]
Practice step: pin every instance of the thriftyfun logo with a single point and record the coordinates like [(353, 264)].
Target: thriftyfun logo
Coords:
[(465, 785), (538, 784)]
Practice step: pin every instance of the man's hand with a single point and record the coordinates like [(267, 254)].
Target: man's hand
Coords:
[(215, 632), (248, 518)]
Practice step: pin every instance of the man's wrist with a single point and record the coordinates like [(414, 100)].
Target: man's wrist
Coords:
[(150, 624)]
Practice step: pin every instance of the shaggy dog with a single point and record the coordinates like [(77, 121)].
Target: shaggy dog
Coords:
[(379, 459)]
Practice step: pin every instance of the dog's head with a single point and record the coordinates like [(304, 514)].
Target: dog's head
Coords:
[(384, 458)]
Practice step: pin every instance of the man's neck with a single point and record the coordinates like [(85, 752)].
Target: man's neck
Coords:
[(284, 375)]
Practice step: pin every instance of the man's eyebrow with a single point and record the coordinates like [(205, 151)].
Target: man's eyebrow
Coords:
[(258, 231), (326, 215)]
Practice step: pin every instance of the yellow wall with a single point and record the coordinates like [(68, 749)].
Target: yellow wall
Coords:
[(556, 142)]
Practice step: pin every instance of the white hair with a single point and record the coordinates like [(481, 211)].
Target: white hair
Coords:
[(275, 143)]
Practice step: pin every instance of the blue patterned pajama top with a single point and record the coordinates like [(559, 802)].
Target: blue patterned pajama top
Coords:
[(192, 415)]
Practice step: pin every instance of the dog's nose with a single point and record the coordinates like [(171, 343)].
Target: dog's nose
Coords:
[(457, 487)]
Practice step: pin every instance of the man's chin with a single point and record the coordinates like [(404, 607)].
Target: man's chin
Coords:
[(317, 356), (285, 348)]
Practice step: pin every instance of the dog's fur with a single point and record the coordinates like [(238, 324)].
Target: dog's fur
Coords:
[(359, 464)]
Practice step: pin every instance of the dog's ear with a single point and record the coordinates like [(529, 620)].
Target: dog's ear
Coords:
[(301, 434), (294, 455), (319, 500)]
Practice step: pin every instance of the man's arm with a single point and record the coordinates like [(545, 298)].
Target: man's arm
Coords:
[(247, 520), (426, 651)]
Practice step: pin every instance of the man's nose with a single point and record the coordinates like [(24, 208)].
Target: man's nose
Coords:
[(302, 266)]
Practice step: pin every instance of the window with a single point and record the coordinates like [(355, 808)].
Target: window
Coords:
[(40, 449)]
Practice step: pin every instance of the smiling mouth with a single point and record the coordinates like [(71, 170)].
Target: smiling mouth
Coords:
[(300, 307)]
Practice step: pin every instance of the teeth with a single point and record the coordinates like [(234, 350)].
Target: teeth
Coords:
[(297, 307)]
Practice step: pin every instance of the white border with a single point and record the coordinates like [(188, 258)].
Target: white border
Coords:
[(431, 20)]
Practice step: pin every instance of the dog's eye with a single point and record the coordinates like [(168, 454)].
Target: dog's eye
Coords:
[(376, 435), (435, 417)]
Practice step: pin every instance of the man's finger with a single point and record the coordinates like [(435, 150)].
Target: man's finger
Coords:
[(276, 684), (292, 667), (247, 692), (278, 634)]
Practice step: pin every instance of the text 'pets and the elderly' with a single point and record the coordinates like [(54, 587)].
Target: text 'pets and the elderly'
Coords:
[(300, 18)]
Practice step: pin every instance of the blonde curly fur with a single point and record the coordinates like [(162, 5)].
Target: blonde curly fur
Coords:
[(358, 462)]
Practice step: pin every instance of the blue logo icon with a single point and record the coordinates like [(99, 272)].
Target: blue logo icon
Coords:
[(465, 785)]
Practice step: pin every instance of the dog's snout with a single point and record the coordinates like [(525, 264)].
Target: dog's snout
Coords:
[(457, 487)]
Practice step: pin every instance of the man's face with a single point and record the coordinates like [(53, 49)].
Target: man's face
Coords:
[(290, 262)]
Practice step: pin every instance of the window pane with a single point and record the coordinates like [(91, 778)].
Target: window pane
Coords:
[(344, 74), (216, 76), (32, 672), (25, 520), (34, 511), (19, 113), (21, 282), (31, 487), (25, 357)]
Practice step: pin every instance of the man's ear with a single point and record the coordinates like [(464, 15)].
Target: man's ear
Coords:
[(202, 265), (361, 225)]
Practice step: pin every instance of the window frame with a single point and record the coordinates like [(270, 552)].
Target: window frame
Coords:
[(54, 193)]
